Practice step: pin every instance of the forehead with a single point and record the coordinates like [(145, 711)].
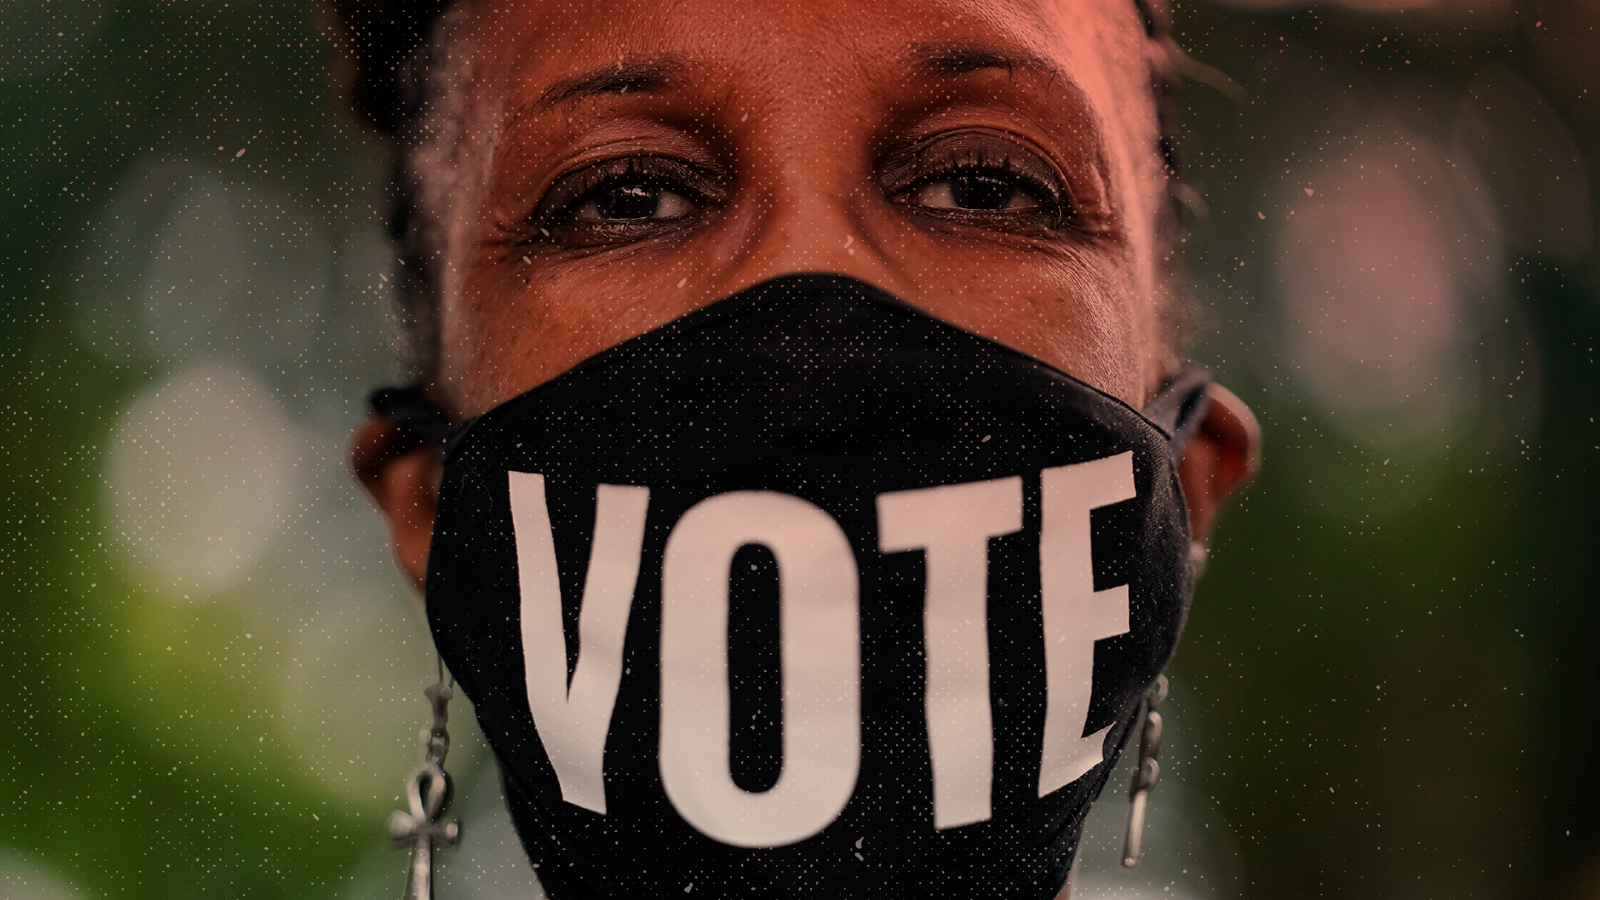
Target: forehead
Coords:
[(1097, 47)]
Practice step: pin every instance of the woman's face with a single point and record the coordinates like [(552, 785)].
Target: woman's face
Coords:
[(625, 162)]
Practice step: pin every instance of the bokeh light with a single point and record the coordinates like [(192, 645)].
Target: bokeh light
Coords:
[(201, 477), (1371, 291)]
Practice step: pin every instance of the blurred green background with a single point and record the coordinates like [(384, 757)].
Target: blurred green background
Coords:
[(212, 674)]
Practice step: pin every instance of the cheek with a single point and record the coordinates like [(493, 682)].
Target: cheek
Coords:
[(1098, 333), (505, 334), (1088, 313), (1078, 312), (491, 330), (515, 324)]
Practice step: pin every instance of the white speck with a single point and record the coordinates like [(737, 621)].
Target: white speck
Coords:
[(849, 239), (858, 842), (746, 116), (689, 888), (986, 439), (1309, 192), (681, 283), (314, 816), (239, 154), (860, 857), (545, 232), (1261, 215)]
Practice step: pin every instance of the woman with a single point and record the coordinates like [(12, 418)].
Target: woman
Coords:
[(801, 347)]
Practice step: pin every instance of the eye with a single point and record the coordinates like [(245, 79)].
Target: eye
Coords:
[(624, 200), (980, 190), (978, 178), (631, 202)]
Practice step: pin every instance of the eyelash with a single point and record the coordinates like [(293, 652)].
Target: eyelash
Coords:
[(1049, 199), (942, 158), (570, 193), (953, 155)]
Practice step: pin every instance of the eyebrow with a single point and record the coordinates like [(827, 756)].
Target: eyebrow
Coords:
[(934, 60), (948, 60), (647, 76)]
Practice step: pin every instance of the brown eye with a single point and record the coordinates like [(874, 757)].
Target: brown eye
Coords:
[(624, 200), (975, 191), (978, 178), (632, 201)]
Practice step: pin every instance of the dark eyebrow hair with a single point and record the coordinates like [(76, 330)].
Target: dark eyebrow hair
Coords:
[(652, 75), (947, 60)]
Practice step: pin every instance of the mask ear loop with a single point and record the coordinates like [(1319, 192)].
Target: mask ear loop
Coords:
[(1178, 411), (410, 410), (1180, 407)]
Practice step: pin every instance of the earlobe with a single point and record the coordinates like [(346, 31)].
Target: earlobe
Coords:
[(1219, 459), (401, 474)]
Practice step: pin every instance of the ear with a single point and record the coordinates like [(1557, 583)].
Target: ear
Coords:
[(1218, 460), (401, 474)]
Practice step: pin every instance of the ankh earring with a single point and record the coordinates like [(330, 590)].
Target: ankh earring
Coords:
[(428, 790), (1147, 771)]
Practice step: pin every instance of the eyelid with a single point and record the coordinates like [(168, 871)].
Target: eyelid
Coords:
[(940, 155), (568, 192)]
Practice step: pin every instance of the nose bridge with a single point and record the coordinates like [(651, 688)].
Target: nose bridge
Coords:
[(816, 194)]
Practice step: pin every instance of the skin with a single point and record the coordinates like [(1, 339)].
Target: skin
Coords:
[(801, 120), (993, 164)]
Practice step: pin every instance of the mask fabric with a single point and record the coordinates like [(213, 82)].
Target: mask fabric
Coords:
[(807, 595)]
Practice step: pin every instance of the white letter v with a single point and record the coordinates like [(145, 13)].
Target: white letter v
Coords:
[(573, 720)]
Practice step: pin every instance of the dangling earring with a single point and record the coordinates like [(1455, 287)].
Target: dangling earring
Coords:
[(429, 790), (1147, 771)]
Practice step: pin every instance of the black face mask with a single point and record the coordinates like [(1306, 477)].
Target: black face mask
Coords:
[(807, 594)]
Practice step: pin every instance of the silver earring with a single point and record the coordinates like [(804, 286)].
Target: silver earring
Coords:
[(1147, 771), (429, 790)]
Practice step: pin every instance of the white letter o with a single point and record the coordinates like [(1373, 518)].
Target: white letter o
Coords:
[(819, 616)]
